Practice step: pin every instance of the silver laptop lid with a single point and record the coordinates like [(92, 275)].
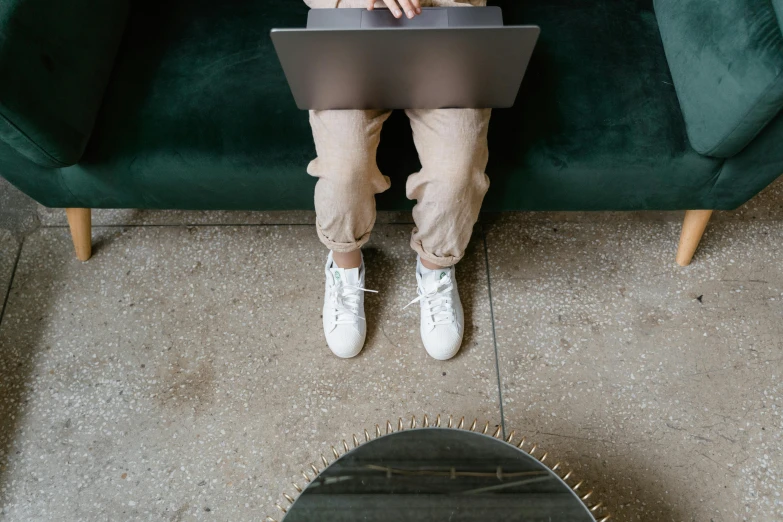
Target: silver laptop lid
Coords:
[(359, 59)]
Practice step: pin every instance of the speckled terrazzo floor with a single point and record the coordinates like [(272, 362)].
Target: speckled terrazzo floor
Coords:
[(180, 374), (9, 250)]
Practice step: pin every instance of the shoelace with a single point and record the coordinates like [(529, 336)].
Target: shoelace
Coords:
[(437, 302), (345, 300)]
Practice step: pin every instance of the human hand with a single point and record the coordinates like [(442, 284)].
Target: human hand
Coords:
[(411, 7)]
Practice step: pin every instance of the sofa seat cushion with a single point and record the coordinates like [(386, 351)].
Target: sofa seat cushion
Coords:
[(726, 59), (198, 115), (597, 124)]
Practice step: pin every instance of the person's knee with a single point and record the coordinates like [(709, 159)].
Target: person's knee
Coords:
[(354, 132), (449, 196), (347, 191), (457, 171), (346, 145), (344, 170)]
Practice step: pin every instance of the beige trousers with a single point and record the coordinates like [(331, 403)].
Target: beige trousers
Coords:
[(449, 189)]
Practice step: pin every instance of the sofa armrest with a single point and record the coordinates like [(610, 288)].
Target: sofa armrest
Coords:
[(749, 172), (726, 61), (55, 62)]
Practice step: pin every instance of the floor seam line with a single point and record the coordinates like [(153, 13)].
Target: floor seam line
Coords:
[(494, 333), (11, 281)]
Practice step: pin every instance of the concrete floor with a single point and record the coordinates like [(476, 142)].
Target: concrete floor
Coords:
[(181, 373)]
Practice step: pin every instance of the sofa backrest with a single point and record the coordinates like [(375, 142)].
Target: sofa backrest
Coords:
[(726, 60), (55, 61)]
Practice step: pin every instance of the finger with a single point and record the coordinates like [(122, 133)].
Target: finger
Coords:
[(393, 7), (406, 4), (370, 5), (417, 5)]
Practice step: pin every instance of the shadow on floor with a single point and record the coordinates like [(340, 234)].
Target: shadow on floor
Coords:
[(379, 281), (18, 360), (383, 276)]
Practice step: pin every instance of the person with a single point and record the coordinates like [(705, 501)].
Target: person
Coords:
[(449, 190)]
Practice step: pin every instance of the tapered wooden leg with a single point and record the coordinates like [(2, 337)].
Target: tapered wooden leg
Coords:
[(692, 229), (80, 221)]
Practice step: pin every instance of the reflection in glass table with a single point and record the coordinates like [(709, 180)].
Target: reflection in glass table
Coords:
[(439, 474)]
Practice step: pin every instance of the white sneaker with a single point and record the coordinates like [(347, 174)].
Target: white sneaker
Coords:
[(442, 319), (344, 322)]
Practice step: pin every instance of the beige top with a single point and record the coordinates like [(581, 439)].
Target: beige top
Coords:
[(379, 3)]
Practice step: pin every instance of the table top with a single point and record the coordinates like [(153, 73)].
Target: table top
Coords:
[(438, 474)]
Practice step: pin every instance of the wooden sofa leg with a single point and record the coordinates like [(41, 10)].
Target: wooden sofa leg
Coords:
[(80, 221), (692, 229)]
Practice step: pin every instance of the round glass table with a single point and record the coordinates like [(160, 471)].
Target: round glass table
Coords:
[(439, 474)]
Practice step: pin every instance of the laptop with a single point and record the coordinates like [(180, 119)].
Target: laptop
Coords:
[(449, 57)]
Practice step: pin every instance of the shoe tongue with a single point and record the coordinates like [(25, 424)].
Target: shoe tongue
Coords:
[(348, 276), (430, 279)]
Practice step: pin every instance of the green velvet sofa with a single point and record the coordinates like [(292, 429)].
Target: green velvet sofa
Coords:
[(181, 104)]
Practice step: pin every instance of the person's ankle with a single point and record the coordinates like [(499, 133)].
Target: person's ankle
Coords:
[(347, 260), (431, 266)]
